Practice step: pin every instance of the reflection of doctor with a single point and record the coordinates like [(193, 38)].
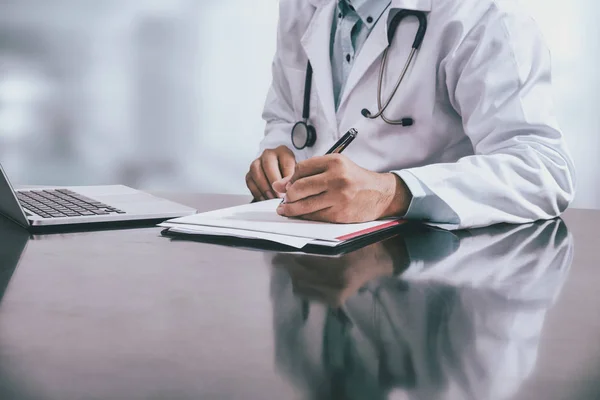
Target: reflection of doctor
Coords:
[(482, 145), (465, 324)]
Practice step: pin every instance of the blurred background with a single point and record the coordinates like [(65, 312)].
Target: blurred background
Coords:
[(155, 94)]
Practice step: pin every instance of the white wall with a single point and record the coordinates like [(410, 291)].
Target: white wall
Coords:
[(572, 32), (167, 94)]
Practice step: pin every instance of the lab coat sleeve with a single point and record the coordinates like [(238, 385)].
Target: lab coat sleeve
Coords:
[(278, 111), (498, 80), (425, 205)]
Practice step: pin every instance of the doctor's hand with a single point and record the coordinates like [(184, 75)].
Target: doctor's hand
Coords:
[(270, 167), (334, 280), (332, 188)]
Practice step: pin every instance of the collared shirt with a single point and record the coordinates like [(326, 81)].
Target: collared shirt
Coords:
[(352, 25)]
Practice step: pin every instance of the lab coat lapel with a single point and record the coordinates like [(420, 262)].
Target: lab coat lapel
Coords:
[(373, 47), (316, 44), (377, 42)]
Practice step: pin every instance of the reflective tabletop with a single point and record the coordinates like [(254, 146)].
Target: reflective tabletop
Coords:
[(505, 312)]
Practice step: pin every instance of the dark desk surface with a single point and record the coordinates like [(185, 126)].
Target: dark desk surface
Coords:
[(498, 313)]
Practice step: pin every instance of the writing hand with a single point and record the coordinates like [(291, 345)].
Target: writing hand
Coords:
[(332, 188)]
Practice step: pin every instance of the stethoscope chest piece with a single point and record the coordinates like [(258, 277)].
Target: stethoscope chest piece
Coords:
[(303, 135)]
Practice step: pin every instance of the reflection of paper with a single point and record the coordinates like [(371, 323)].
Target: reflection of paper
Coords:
[(263, 217), (446, 227), (292, 241)]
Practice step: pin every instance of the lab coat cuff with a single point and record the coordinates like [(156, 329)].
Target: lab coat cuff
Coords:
[(426, 205), (418, 191)]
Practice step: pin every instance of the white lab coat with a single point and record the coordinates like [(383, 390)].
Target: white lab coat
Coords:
[(485, 139)]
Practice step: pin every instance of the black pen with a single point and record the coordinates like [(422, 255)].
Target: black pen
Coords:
[(340, 145), (344, 142)]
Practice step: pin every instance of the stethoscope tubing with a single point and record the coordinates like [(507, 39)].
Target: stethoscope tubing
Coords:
[(307, 92), (396, 87), (381, 105)]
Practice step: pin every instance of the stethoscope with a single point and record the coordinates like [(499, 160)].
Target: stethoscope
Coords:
[(305, 135)]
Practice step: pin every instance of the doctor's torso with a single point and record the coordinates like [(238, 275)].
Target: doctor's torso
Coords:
[(426, 93)]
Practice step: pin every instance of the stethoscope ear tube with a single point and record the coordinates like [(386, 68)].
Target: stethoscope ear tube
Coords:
[(421, 31), (406, 121), (395, 22), (307, 90), (420, 35)]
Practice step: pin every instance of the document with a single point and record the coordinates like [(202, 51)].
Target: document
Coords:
[(261, 221), (293, 241)]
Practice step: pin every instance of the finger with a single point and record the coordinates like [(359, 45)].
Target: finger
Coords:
[(280, 186), (305, 206), (324, 215), (256, 193), (283, 184), (316, 271), (260, 179), (312, 166), (287, 164), (299, 273), (306, 187), (318, 292), (270, 167)]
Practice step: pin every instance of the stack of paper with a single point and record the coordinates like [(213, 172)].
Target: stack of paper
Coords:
[(261, 221)]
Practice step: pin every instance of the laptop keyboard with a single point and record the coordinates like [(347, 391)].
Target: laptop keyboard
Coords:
[(62, 203)]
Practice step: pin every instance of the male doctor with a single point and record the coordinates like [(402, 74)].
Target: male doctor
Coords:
[(484, 146)]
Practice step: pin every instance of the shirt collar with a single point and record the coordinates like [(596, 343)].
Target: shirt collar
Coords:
[(368, 11)]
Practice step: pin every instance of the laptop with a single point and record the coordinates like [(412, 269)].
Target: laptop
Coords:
[(54, 207)]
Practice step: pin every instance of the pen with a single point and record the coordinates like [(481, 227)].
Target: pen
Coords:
[(340, 145), (344, 142)]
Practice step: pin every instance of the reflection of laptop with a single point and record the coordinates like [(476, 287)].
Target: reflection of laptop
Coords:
[(13, 240), (83, 205)]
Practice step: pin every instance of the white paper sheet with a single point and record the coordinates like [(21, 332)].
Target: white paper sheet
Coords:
[(262, 217), (292, 241)]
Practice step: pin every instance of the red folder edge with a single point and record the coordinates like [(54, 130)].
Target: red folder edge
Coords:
[(354, 235)]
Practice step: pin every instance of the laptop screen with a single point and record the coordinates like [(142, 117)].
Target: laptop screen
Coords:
[(9, 206)]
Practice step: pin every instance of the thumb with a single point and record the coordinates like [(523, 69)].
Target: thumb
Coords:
[(280, 185), (287, 163)]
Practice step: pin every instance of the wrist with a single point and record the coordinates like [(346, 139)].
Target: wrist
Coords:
[(397, 196)]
